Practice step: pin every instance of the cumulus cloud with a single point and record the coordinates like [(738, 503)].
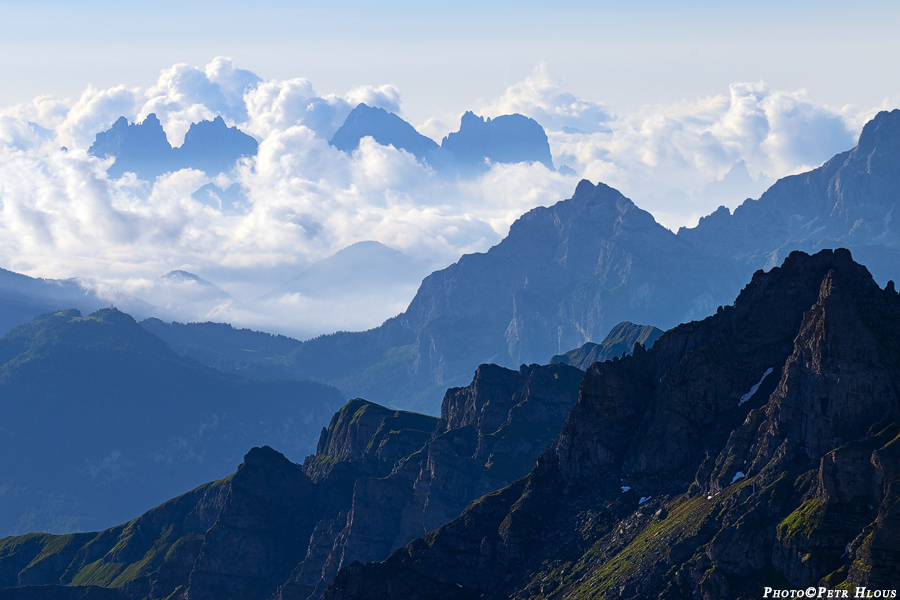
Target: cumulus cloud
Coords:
[(277, 105), (663, 156), (62, 216), (541, 97)]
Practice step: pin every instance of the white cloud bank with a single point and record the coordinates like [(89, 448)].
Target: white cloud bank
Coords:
[(61, 216)]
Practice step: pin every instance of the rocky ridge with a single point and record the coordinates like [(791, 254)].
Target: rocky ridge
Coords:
[(756, 447)]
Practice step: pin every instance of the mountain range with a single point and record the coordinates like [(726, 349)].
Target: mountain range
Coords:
[(566, 274), (757, 447)]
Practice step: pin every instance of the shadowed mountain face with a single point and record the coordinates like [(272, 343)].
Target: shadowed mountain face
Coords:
[(101, 419), (143, 148), (756, 447), (563, 276), (279, 530)]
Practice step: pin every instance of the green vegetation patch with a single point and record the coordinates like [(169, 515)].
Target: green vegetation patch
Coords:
[(803, 521)]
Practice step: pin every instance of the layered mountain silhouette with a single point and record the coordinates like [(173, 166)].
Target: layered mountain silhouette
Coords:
[(143, 149), (467, 152), (22, 298), (566, 274), (100, 420), (275, 529), (758, 447)]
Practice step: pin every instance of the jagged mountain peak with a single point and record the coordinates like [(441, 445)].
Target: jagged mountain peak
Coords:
[(782, 409)]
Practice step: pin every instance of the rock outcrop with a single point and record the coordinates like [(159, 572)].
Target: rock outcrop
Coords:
[(756, 447)]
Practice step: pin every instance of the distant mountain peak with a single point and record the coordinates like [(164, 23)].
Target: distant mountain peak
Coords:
[(144, 149), (179, 275), (384, 127)]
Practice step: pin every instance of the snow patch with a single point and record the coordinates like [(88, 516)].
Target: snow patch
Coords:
[(625, 488), (643, 499), (738, 475), (752, 391)]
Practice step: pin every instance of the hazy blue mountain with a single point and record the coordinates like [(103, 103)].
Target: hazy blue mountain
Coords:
[(22, 298), (619, 341), (849, 201), (213, 146), (101, 420), (362, 268), (242, 352), (504, 139), (275, 530), (386, 128), (229, 201), (566, 274), (143, 148)]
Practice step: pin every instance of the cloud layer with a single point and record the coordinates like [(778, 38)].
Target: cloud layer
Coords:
[(61, 216)]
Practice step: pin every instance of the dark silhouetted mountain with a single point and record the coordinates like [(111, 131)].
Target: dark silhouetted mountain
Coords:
[(758, 447), (504, 139), (620, 340), (100, 419), (279, 530), (386, 128), (143, 148)]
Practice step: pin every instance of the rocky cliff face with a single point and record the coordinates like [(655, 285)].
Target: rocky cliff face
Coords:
[(280, 530), (756, 447)]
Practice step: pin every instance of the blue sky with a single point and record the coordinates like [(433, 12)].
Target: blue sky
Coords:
[(445, 55)]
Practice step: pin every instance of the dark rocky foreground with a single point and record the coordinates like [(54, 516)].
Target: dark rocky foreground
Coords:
[(758, 447)]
